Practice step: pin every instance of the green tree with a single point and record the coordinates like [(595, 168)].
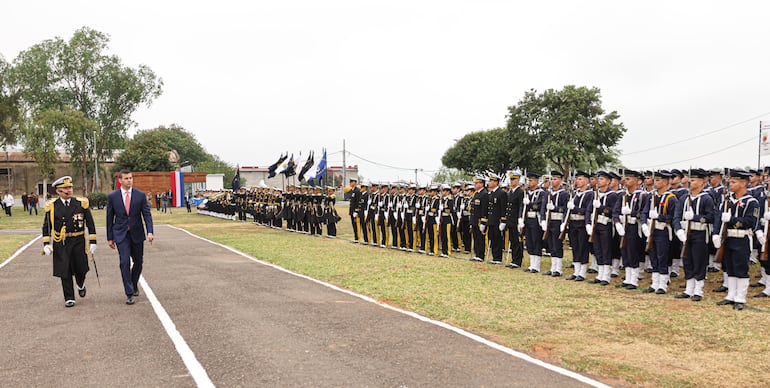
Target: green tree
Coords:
[(490, 150), (147, 151), (10, 113), (567, 128), (219, 166), (184, 143), (56, 74), (450, 175)]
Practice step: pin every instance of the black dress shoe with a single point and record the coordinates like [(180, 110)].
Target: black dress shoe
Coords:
[(527, 270), (591, 270), (594, 281), (631, 287), (512, 265), (580, 279), (614, 275), (572, 277), (648, 290), (547, 273), (660, 291), (130, 300), (622, 285), (724, 302), (696, 298), (681, 296), (761, 295), (720, 289), (738, 306), (604, 283), (712, 269), (82, 292), (69, 303), (495, 262), (136, 292), (755, 285), (673, 275), (556, 274), (648, 270)]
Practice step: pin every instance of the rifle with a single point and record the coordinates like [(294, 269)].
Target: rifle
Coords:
[(565, 221), (548, 214), (723, 230)]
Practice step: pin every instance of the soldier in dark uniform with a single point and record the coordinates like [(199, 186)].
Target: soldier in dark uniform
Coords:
[(717, 192), (532, 220), (447, 219), (371, 213), (607, 206), (420, 208), (382, 214), (616, 254), (634, 206), (330, 213), (496, 219), (363, 211), (512, 212), (401, 216), (457, 197), (464, 224), (740, 214), (392, 215), (409, 216), (432, 220), (681, 192), (64, 234), (478, 218), (556, 209), (666, 215), (355, 198), (578, 208), (698, 216)]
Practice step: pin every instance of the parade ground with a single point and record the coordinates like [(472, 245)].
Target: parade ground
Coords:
[(234, 304)]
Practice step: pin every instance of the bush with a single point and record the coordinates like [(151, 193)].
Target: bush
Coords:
[(97, 200)]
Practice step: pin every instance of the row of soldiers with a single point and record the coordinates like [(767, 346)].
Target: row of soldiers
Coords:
[(305, 209), (661, 221)]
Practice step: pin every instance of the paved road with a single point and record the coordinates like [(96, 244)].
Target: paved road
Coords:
[(247, 324)]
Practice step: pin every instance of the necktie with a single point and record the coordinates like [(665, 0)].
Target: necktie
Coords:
[(67, 203), (128, 201)]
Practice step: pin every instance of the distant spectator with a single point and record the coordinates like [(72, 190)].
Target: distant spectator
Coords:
[(187, 202), (24, 199), (157, 201), (164, 201), (8, 203), (32, 203)]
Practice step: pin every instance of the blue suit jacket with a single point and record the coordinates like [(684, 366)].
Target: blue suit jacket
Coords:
[(121, 225)]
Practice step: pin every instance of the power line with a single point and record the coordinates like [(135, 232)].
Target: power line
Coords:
[(752, 138), (658, 147), (385, 165)]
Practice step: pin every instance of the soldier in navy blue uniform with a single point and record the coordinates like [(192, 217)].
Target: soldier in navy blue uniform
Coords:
[(355, 198), (579, 215), (409, 216), (512, 213), (420, 205), (697, 218), (478, 218), (532, 220), (556, 209), (363, 210), (634, 206), (371, 212), (447, 219), (605, 205), (615, 252), (432, 220), (677, 188), (717, 192), (665, 217), (496, 219), (740, 214), (464, 225), (757, 190)]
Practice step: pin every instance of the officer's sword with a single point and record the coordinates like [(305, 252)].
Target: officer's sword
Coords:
[(91, 256)]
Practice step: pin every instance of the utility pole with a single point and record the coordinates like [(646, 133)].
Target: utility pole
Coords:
[(344, 164)]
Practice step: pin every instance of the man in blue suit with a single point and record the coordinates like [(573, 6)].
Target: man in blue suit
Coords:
[(126, 207)]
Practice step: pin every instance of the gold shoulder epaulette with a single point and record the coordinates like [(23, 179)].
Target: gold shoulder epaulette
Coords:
[(49, 204), (83, 202)]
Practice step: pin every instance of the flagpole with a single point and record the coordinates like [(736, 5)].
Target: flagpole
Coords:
[(759, 146)]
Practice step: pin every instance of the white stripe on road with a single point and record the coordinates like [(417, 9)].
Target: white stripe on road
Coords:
[(188, 357), (445, 325), (19, 251)]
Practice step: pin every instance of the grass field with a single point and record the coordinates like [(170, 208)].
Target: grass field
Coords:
[(621, 337)]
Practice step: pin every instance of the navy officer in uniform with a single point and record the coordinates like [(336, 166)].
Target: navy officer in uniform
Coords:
[(496, 219), (698, 216), (556, 208), (64, 234), (478, 218)]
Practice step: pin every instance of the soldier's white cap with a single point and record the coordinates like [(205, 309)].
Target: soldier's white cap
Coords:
[(513, 174), (446, 187), (505, 184), (65, 181)]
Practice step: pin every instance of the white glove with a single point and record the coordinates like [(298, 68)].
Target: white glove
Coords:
[(482, 228), (570, 205), (562, 227), (597, 203), (760, 237), (550, 206), (355, 214), (47, 250), (543, 225), (717, 239), (520, 224), (726, 217), (646, 230), (424, 220), (653, 214), (621, 230), (625, 210), (366, 214), (92, 248), (520, 228), (376, 218), (387, 215), (766, 216), (589, 229), (681, 235), (526, 201), (688, 215), (502, 227), (438, 220)]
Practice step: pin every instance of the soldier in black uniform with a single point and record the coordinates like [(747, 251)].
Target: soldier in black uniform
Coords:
[(512, 211), (371, 212), (465, 219), (409, 216), (381, 218), (355, 198), (447, 219), (363, 211), (64, 235), (496, 220), (478, 218), (556, 209), (420, 205), (330, 213), (577, 220), (634, 206), (457, 196), (432, 220), (697, 218), (532, 220)]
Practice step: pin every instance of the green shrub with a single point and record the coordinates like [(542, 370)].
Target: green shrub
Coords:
[(97, 200)]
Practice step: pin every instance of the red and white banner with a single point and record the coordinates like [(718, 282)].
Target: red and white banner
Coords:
[(764, 138)]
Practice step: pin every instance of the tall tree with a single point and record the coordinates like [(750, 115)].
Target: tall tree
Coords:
[(568, 128), (147, 151), (78, 73), (10, 114), (183, 142), (493, 150)]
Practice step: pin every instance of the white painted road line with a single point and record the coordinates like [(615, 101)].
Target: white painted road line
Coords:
[(19, 251), (188, 357), (444, 325)]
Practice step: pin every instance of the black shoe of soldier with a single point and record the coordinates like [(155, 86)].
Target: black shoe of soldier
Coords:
[(696, 298), (720, 289)]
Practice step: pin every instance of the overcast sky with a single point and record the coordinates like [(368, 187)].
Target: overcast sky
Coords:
[(400, 80)]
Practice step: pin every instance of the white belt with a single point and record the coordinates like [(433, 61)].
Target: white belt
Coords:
[(661, 225), (698, 226), (738, 233), (577, 217), (604, 220), (531, 214), (557, 216), (631, 220)]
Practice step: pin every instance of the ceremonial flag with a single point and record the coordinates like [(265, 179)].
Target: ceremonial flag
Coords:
[(320, 171), (274, 166), (308, 164), (764, 138), (177, 189), (290, 169), (237, 179)]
